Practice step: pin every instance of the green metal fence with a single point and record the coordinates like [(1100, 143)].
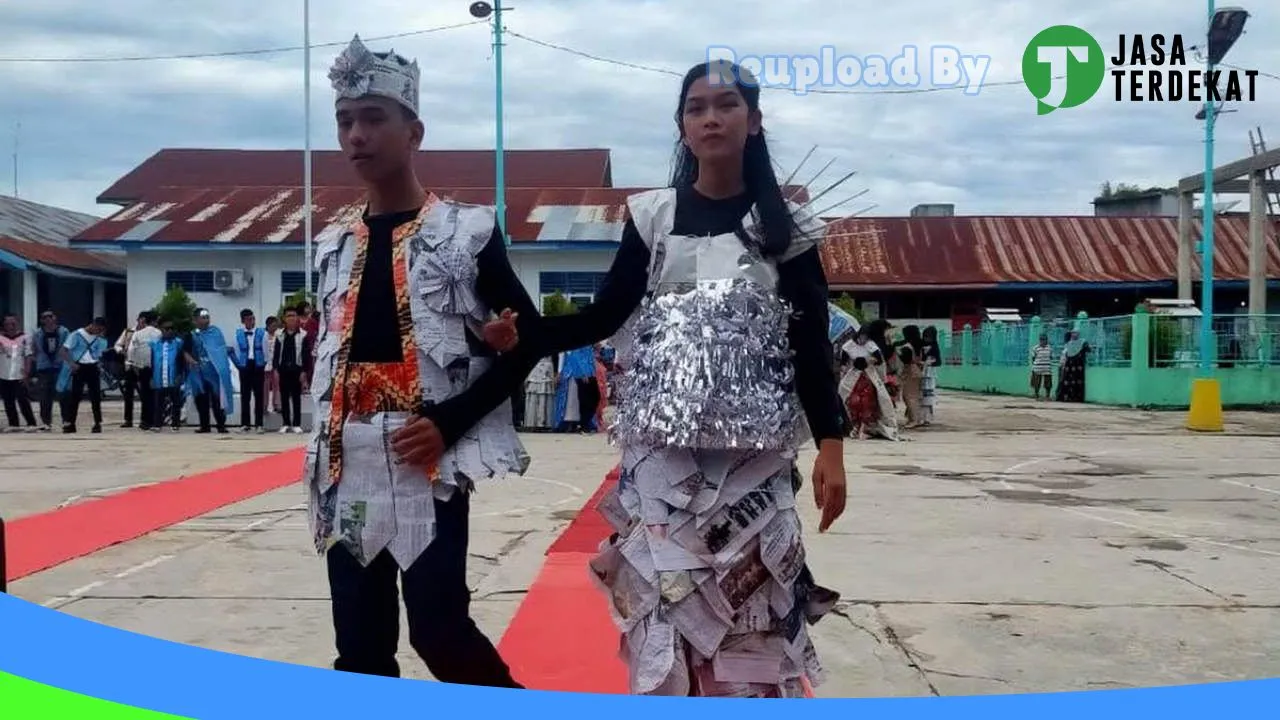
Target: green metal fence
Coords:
[(1139, 359)]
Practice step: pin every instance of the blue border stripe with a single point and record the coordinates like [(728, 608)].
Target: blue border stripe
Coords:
[(73, 654)]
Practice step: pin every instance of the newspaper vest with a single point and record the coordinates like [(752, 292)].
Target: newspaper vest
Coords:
[(706, 357), (441, 277)]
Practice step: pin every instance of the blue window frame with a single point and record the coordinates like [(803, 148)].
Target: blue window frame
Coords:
[(191, 281), (291, 281)]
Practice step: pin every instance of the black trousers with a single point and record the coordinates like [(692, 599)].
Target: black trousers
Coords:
[(48, 393), (137, 383), (207, 401), (167, 404), (14, 395), (88, 378), (588, 401), (252, 379), (290, 397), (366, 609)]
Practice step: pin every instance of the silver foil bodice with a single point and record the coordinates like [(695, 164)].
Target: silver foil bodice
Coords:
[(707, 363)]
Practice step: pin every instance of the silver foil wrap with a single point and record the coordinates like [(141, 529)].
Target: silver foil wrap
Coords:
[(711, 368)]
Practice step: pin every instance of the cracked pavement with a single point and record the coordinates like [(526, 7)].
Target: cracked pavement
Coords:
[(1015, 547)]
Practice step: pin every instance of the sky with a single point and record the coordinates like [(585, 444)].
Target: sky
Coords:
[(85, 124)]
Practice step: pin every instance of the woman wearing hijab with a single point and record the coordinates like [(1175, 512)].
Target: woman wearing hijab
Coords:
[(864, 347), (1071, 387), (931, 355)]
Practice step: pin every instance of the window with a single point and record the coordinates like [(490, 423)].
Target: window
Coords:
[(570, 283), (192, 281), (291, 281)]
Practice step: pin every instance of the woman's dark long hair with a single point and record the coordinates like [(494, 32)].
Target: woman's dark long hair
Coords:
[(776, 221)]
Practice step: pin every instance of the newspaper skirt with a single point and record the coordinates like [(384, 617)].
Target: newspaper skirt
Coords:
[(706, 574)]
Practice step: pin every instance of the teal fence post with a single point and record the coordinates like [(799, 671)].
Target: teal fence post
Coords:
[(966, 345)]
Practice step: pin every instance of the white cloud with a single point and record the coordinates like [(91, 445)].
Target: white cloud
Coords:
[(85, 125)]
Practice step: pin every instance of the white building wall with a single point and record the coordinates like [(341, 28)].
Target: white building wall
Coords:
[(146, 273), (147, 270)]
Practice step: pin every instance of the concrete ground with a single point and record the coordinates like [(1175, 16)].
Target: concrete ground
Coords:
[(1015, 547)]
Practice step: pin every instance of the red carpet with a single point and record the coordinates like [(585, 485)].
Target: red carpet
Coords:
[(562, 637), (39, 542)]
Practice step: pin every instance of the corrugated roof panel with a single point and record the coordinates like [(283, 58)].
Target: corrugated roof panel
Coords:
[(983, 250), (217, 168), (143, 230), (35, 222)]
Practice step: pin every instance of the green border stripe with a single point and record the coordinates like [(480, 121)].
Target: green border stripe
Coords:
[(22, 699)]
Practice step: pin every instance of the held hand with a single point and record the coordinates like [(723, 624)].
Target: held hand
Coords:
[(829, 488), (500, 334), (419, 443)]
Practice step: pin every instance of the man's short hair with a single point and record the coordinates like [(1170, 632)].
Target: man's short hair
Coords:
[(293, 310), (100, 321), (246, 313)]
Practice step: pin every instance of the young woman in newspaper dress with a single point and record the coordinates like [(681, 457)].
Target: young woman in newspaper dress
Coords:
[(719, 305)]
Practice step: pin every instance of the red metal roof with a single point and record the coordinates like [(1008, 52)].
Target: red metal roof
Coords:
[(985, 250), (41, 254), (274, 214), (205, 169)]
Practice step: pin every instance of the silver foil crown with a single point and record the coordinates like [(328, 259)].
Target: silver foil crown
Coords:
[(358, 72)]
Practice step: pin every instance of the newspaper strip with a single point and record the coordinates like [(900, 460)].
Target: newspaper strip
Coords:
[(755, 615), (781, 548), (707, 686), (655, 659), (744, 474), (755, 659), (732, 527), (745, 577), (676, 586), (699, 624), (615, 513)]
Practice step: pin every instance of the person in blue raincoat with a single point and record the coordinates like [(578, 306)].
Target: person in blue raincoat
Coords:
[(168, 378), (82, 372), (209, 380), (577, 377)]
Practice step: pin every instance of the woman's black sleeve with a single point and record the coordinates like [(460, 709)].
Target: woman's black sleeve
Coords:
[(620, 293), (804, 285), (499, 288)]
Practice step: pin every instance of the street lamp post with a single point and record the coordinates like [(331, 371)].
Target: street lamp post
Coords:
[(1225, 27), (483, 10), (306, 151)]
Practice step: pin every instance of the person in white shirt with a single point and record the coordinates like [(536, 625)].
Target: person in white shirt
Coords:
[(134, 347), (16, 356), (138, 364), (81, 371)]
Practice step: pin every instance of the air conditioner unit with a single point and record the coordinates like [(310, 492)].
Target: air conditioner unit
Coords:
[(230, 280)]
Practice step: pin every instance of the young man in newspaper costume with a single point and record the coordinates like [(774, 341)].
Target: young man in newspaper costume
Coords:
[(404, 297), (719, 295)]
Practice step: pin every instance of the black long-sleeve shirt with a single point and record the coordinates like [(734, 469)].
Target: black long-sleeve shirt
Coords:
[(802, 282), (375, 336)]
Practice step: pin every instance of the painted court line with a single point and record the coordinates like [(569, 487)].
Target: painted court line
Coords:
[(39, 542)]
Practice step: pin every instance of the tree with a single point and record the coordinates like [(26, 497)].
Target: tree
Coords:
[(847, 304), (1117, 191), (177, 307), (557, 304), (295, 299)]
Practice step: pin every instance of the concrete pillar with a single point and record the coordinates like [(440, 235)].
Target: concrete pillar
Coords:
[(1186, 211), (1257, 245), (30, 300), (99, 298)]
